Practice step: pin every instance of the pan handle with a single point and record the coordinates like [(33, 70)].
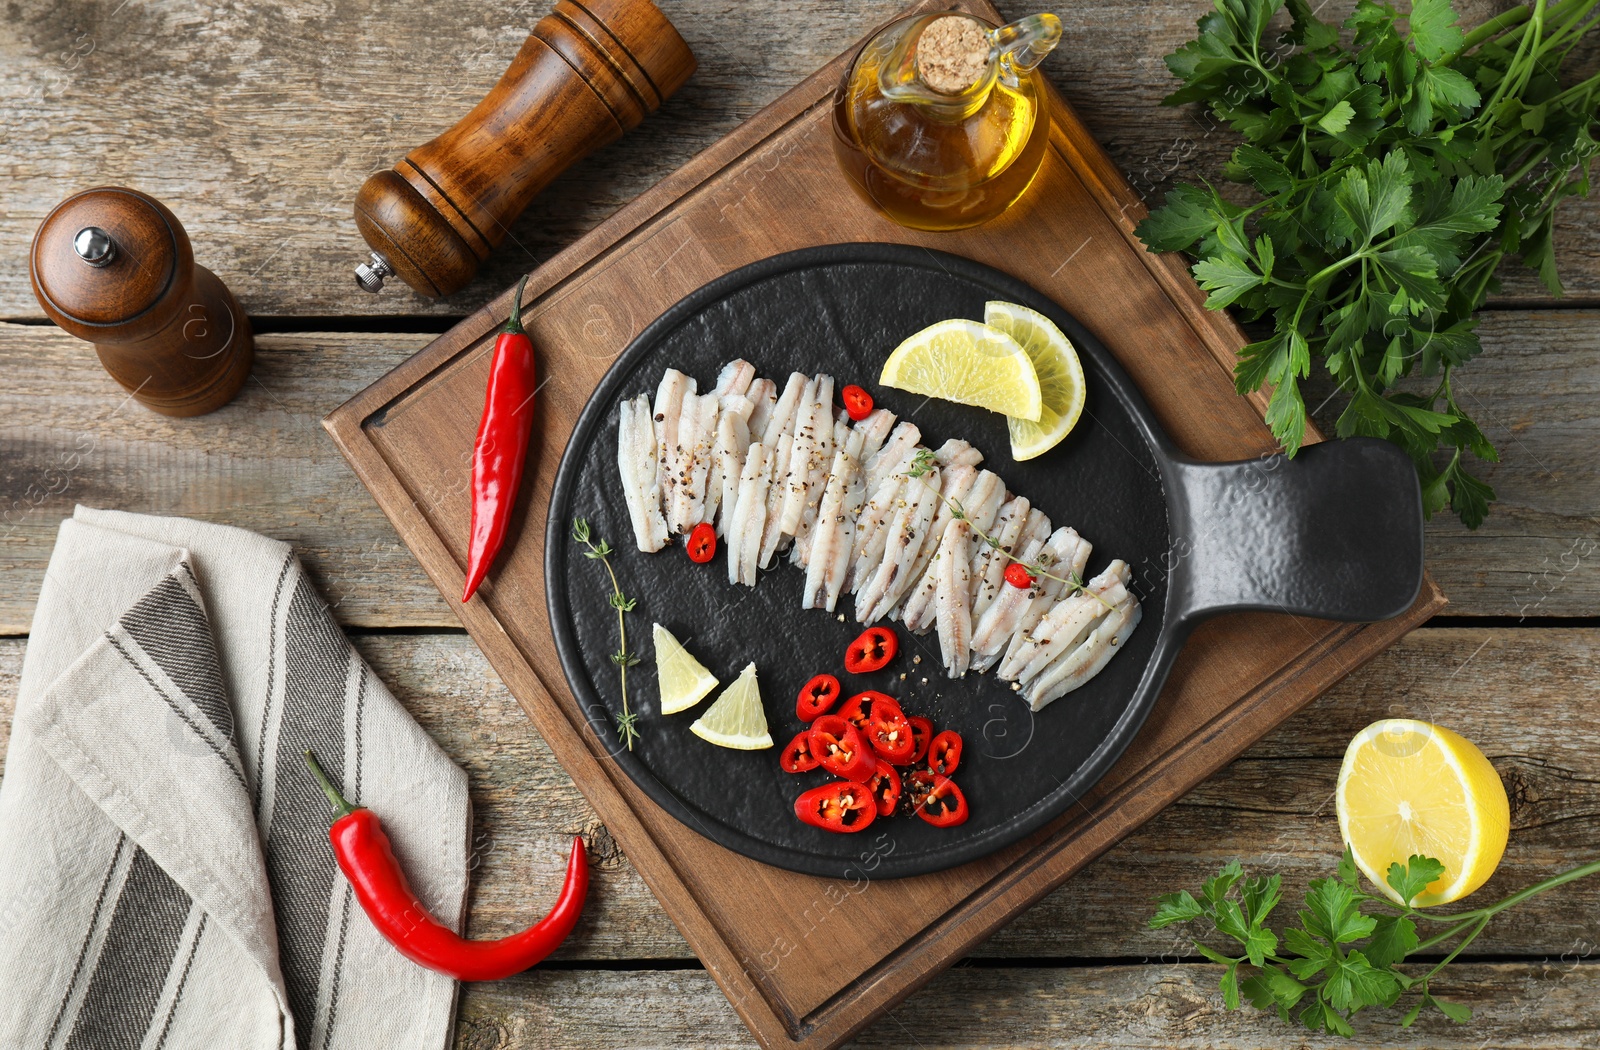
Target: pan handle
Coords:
[(1334, 533)]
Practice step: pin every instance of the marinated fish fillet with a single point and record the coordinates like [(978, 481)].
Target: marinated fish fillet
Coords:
[(749, 516), (958, 482), (772, 530), (894, 455), (953, 598), (1088, 659), (1068, 623), (982, 507), (988, 563), (994, 629), (735, 378), (675, 386), (831, 533), (781, 421), (727, 457), (696, 435), (763, 395), (636, 463), (903, 535)]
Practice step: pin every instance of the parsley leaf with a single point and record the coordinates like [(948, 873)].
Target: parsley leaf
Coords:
[(1411, 878), (1434, 32), (1345, 954)]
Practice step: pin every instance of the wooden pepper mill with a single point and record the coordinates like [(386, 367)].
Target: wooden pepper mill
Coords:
[(586, 74), (114, 266)]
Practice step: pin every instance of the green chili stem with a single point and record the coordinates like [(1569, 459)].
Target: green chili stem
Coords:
[(340, 806)]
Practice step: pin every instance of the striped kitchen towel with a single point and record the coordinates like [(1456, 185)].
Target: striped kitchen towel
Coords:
[(165, 874)]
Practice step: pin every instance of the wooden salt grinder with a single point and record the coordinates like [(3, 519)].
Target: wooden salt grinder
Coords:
[(586, 74), (114, 266)]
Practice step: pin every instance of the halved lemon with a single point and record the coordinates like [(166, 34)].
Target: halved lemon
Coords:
[(1055, 362), (737, 719), (967, 362), (1410, 787), (684, 680)]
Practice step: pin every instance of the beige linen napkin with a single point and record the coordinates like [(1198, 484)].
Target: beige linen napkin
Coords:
[(166, 880)]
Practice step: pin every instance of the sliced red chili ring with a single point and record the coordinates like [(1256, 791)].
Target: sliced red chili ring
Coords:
[(938, 801), (857, 402), (857, 709), (797, 756), (702, 544), (817, 698), (921, 735), (872, 651), (889, 732), (842, 806), (885, 788), (840, 748), (1018, 576), (944, 752)]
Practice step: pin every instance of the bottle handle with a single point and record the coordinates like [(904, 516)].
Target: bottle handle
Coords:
[(1023, 44)]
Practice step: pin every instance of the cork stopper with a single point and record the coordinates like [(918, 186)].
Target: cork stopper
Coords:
[(952, 54)]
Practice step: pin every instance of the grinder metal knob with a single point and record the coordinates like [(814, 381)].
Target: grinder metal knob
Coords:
[(370, 274), (94, 246)]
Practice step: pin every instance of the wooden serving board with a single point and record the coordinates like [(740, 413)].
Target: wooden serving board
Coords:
[(808, 961)]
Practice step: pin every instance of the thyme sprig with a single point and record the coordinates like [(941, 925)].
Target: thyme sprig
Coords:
[(601, 551), (924, 461)]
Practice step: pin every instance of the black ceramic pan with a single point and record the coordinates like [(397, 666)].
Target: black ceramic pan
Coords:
[(1335, 533)]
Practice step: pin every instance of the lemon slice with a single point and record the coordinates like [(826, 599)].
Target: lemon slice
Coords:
[(1060, 374), (1409, 787), (737, 719), (966, 362), (684, 680)]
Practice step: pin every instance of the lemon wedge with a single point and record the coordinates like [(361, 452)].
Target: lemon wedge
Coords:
[(1408, 787), (967, 362), (736, 719), (1060, 373), (684, 680)]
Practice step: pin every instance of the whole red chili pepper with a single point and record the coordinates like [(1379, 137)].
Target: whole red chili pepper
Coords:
[(502, 444), (367, 860)]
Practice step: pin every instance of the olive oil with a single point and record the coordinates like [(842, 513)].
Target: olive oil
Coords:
[(935, 160)]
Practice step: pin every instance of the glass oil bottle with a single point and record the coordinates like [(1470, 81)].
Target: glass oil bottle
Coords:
[(941, 121)]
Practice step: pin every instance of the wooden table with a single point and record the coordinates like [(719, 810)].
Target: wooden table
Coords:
[(256, 123)]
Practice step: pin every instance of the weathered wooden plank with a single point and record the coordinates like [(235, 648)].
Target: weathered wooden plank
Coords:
[(1272, 807), (257, 123), (1545, 1005), (1534, 391), (69, 435)]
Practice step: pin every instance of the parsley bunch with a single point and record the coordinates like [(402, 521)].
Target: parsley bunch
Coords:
[(1393, 173), (1323, 972)]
